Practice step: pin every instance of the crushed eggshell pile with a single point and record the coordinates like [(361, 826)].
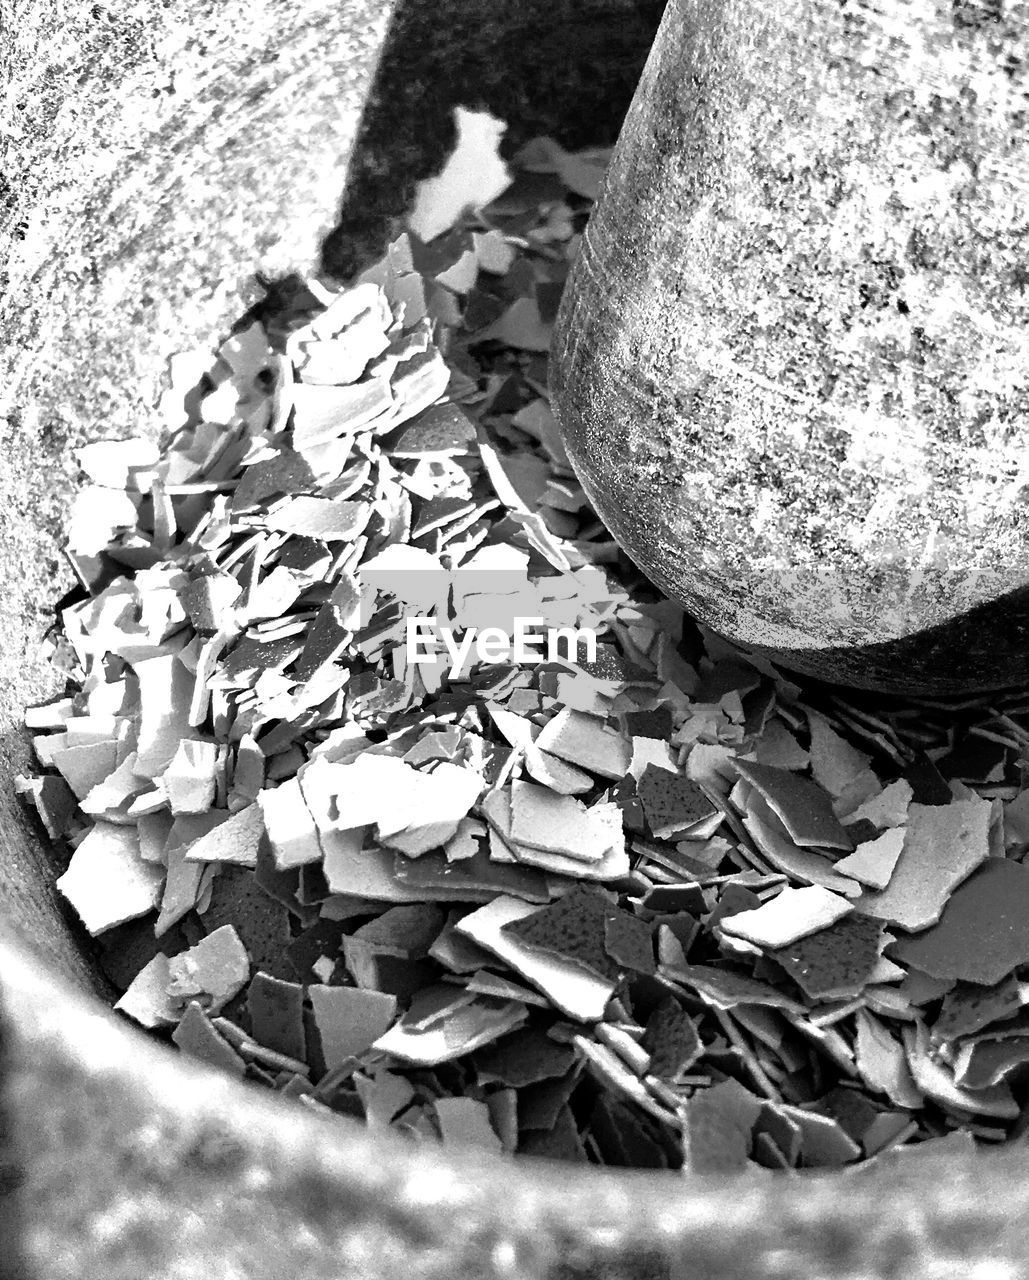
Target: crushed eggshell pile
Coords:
[(653, 905)]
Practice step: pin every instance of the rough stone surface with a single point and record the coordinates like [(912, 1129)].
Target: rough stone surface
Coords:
[(144, 1165), (792, 357)]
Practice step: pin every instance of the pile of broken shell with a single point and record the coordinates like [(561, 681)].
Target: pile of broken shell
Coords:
[(660, 907)]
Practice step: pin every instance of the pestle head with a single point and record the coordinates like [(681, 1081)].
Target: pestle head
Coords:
[(790, 366)]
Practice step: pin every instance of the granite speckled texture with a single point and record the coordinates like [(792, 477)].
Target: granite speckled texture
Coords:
[(143, 1165), (792, 357)]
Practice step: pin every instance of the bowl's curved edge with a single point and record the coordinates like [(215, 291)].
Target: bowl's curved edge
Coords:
[(130, 1162), (182, 1171)]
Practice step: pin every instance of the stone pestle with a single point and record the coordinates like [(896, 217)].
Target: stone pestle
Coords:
[(791, 363)]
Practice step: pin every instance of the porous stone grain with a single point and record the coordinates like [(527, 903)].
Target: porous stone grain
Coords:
[(791, 362)]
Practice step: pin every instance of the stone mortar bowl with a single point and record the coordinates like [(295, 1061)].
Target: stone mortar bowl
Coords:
[(158, 161)]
